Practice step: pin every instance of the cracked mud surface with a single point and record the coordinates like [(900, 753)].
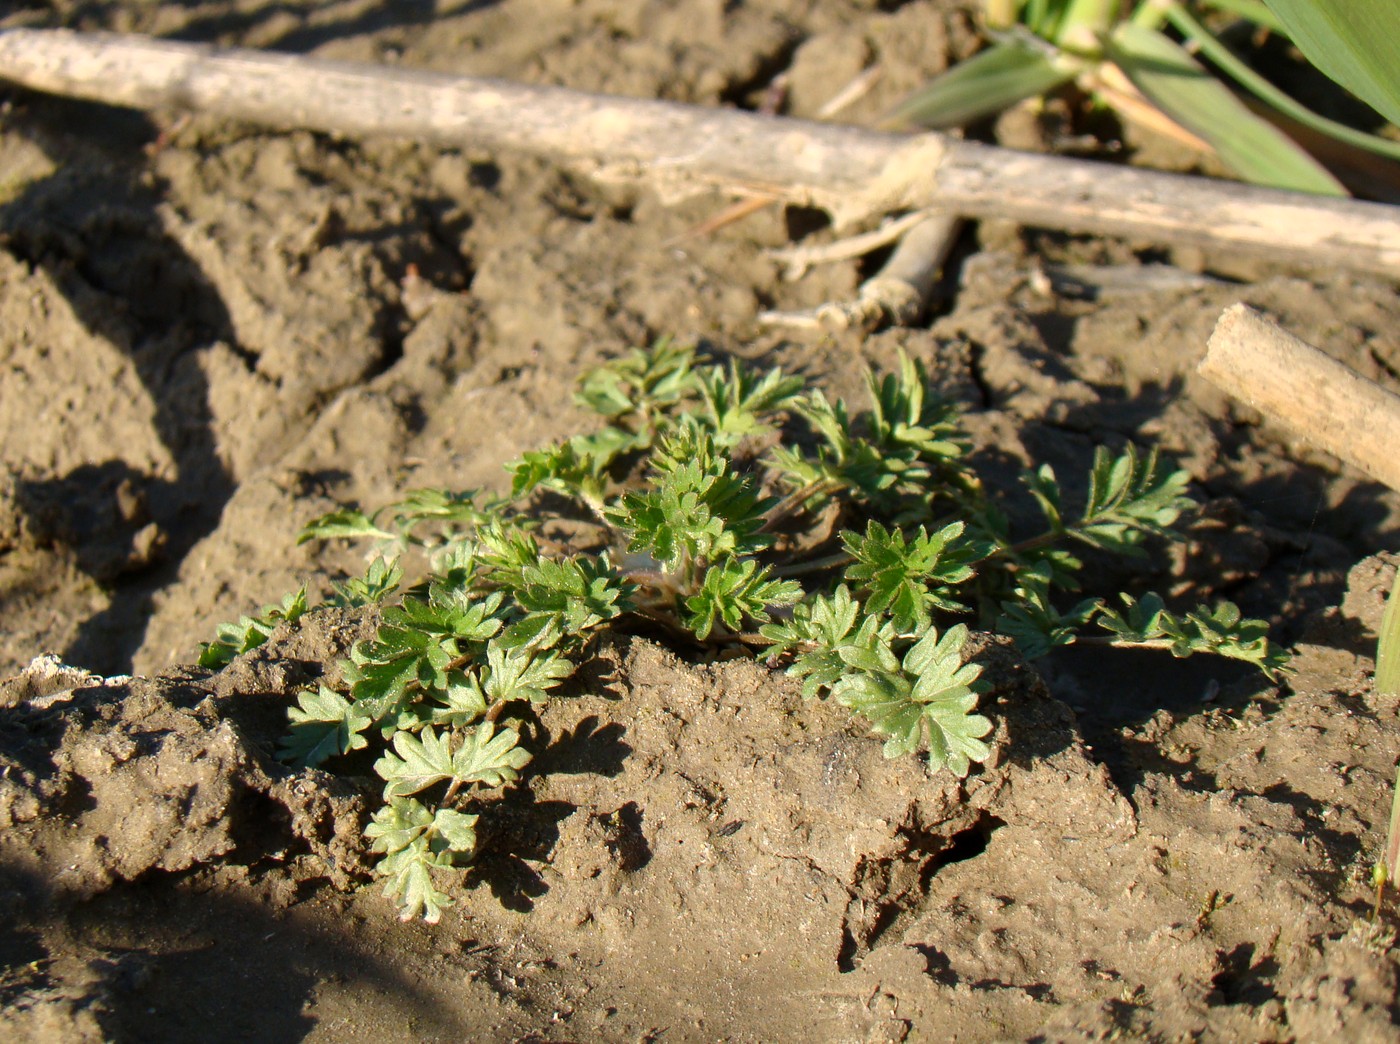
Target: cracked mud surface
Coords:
[(213, 336)]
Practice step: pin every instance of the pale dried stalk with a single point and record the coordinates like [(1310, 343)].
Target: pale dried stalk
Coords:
[(854, 174), (898, 293), (798, 259), (1288, 380)]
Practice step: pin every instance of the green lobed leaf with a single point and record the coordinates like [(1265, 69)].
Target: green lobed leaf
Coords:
[(881, 477), (930, 698), (417, 762), (645, 382), (1128, 498), (1220, 630), (323, 724), (1045, 489), (251, 631), (381, 579), (455, 832), (566, 597), (347, 522), (522, 674), (398, 825), (738, 402), (696, 509), (829, 644), (576, 467), (732, 590), (414, 843), (488, 757), (906, 415), (1032, 622), (908, 580), (462, 702), (947, 689)]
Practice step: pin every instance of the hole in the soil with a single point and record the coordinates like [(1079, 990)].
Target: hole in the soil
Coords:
[(411, 413), (742, 92), (25, 957), (1036, 991), (802, 222), (846, 952), (962, 846), (940, 969), (897, 905), (262, 831), (872, 262), (77, 798), (320, 482), (485, 175)]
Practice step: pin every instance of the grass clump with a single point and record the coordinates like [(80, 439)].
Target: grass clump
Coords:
[(726, 510)]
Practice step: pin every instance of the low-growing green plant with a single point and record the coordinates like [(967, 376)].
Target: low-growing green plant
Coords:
[(234, 639), (719, 507), (1139, 59)]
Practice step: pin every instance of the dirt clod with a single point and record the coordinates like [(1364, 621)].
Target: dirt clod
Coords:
[(212, 333)]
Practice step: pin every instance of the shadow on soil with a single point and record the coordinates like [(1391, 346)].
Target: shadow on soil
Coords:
[(310, 32), (94, 227), (169, 961)]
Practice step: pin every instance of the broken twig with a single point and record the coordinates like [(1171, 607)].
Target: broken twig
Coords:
[(856, 175), (898, 293), (1288, 380), (798, 259)]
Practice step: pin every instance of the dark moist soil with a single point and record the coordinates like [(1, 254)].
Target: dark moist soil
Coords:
[(213, 332)]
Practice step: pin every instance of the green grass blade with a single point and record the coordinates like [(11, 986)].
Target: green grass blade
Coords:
[(1152, 15), (1392, 841), (1388, 648), (1356, 42), (986, 83), (1261, 88), (1173, 81)]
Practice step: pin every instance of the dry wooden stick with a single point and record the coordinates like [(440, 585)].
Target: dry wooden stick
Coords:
[(1289, 380), (797, 259), (898, 293), (854, 174)]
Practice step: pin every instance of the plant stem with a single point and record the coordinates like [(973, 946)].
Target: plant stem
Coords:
[(1387, 680), (1085, 24), (1122, 643), (999, 14), (1392, 843), (1252, 11), (794, 502), (814, 565), (1029, 544)]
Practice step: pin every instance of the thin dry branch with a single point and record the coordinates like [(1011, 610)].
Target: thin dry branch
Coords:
[(798, 259), (1289, 380), (854, 174), (899, 293)]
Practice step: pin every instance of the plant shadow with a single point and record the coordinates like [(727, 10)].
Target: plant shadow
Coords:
[(95, 228), (168, 958)]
